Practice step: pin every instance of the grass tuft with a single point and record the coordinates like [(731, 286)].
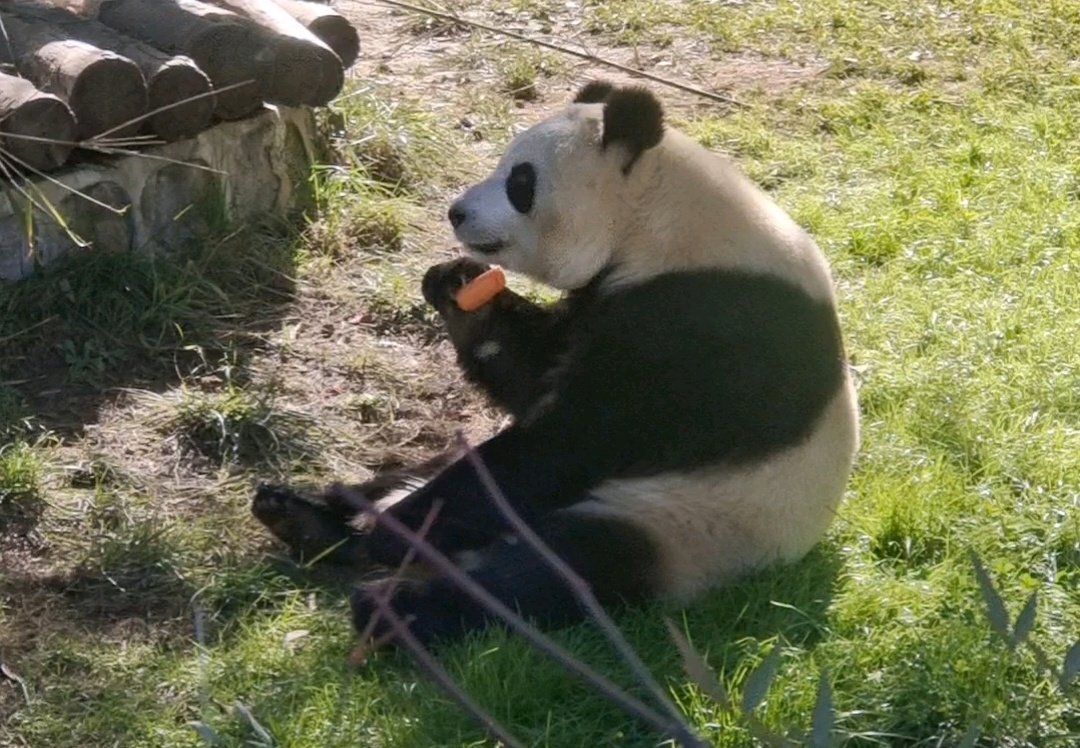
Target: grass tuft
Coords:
[(363, 218), (241, 426), (392, 140), (22, 497), (520, 72)]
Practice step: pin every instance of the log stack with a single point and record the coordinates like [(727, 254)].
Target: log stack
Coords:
[(95, 73)]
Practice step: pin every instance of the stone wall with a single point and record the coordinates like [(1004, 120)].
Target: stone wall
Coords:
[(173, 194)]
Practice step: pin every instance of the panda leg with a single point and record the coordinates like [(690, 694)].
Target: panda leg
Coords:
[(327, 526), (617, 560), (506, 347)]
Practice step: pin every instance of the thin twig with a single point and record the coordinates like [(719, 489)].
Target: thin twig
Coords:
[(107, 149), (582, 591), (9, 172), (99, 140), (203, 659), (152, 157), (722, 98), (468, 585), (100, 143), (156, 110), (131, 141), (400, 571), (66, 187), (10, 674), (8, 338), (436, 672)]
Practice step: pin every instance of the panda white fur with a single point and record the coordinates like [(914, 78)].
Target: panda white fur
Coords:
[(684, 415)]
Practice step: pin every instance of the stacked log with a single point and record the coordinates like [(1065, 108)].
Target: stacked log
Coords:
[(37, 130), (232, 53), (327, 24), (179, 96), (301, 68), (97, 69), (106, 92)]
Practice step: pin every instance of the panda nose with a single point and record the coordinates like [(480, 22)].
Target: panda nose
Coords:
[(457, 215)]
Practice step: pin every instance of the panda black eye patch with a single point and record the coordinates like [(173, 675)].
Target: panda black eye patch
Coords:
[(521, 187)]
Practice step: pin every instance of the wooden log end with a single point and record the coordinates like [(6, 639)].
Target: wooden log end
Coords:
[(326, 24), (109, 97), (179, 90), (331, 77), (340, 35), (40, 133), (229, 55), (298, 67), (299, 72)]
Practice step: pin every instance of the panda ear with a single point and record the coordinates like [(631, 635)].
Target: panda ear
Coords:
[(634, 118), (594, 92)]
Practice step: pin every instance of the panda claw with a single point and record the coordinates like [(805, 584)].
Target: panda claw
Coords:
[(272, 501)]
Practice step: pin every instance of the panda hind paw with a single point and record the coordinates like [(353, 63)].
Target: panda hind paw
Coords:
[(423, 606)]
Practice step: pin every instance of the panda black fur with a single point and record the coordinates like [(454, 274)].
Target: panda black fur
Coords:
[(684, 415)]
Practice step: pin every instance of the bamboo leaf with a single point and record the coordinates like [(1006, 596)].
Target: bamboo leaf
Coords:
[(757, 684), (1025, 622), (822, 722), (265, 740), (1071, 667), (206, 732), (995, 606), (972, 734), (697, 669)]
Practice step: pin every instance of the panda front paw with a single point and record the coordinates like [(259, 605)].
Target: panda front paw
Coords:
[(310, 529), (430, 609), (442, 282)]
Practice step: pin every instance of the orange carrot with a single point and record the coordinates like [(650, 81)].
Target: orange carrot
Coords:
[(481, 289)]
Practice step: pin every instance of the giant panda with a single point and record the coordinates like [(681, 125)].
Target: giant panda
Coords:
[(682, 416)]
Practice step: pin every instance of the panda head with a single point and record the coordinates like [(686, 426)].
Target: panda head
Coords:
[(555, 203)]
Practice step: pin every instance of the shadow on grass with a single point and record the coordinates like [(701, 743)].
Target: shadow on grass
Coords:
[(93, 598), (94, 322), (142, 600)]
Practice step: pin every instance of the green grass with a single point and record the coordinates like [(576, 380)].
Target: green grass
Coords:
[(240, 425), (21, 492), (932, 150)]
